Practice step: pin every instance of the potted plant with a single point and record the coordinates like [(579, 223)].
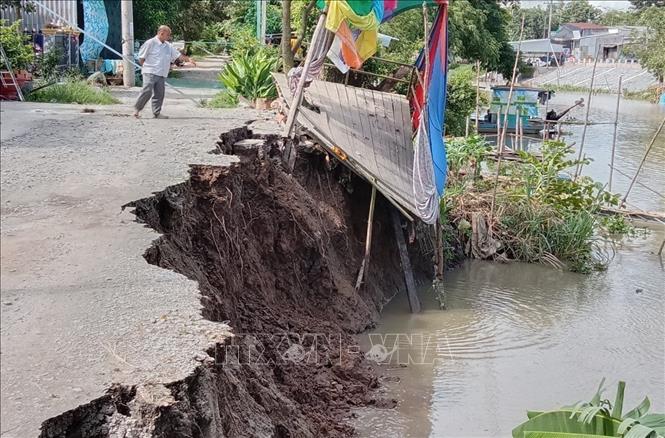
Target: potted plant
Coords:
[(20, 54), (249, 75)]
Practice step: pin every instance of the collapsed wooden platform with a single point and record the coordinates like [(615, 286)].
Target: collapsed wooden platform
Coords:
[(368, 130)]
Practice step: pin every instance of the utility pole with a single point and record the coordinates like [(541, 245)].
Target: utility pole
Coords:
[(127, 14), (261, 16), (549, 23)]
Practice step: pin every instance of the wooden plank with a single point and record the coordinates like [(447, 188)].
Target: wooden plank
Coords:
[(363, 125), (397, 140), (414, 301), (372, 126), (368, 239)]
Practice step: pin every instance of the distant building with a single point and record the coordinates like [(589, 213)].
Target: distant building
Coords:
[(586, 40)]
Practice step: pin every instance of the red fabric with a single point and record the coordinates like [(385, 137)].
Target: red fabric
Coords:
[(438, 43)]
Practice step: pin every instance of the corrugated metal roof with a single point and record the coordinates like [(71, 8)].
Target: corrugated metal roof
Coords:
[(39, 18), (585, 26), (537, 46)]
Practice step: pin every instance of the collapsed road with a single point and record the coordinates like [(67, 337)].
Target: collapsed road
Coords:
[(134, 349)]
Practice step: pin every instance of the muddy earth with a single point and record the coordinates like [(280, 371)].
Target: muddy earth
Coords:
[(276, 257)]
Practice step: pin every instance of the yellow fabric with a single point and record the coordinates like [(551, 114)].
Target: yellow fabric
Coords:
[(339, 10)]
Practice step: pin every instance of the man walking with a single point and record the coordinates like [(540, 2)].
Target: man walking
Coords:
[(156, 56)]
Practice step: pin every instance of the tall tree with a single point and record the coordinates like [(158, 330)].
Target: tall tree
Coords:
[(301, 22), (643, 4), (579, 11), (652, 55)]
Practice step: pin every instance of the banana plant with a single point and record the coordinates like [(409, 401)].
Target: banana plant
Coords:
[(596, 418)]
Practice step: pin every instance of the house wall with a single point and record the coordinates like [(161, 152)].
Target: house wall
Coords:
[(39, 18)]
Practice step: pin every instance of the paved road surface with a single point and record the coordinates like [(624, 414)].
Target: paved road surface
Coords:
[(80, 306)]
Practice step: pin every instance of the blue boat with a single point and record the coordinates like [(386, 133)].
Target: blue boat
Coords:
[(523, 109)]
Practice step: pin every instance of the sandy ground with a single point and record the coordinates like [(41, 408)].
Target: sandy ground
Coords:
[(81, 308)]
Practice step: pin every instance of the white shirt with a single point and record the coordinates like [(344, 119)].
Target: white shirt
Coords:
[(158, 56)]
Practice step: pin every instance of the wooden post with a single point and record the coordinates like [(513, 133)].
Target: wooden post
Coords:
[(644, 158), (297, 97), (477, 94), (368, 239), (578, 169), (614, 138), (468, 125), (411, 293), (505, 123)]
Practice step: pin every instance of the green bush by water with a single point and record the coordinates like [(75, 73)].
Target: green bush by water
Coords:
[(540, 214), (79, 92)]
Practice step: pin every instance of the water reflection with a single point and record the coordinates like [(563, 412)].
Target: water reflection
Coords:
[(638, 122), (521, 336)]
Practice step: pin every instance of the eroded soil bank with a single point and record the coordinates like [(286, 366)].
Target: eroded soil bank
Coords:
[(276, 256)]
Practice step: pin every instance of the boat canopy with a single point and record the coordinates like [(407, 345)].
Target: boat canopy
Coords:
[(524, 100)]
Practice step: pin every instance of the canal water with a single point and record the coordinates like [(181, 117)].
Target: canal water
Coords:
[(523, 336)]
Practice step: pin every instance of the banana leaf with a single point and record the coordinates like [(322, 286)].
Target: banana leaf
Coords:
[(561, 421), (537, 434)]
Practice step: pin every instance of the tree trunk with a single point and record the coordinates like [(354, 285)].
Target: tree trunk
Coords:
[(287, 53)]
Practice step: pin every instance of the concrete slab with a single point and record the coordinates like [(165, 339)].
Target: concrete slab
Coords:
[(81, 308)]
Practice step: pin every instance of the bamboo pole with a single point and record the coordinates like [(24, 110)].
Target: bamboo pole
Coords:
[(297, 97), (505, 124), (368, 239), (578, 169), (644, 186), (644, 157), (614, 138), (512, 85), (477, 94)]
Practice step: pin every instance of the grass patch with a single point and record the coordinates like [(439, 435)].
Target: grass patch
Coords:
[(223, 99), (78, 92)]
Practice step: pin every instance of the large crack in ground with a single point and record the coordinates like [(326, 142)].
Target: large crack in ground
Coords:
[(275, 255)]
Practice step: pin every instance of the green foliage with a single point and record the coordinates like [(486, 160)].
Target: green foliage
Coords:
[(579, 11), (16, 45), (47, 64), (460, 99), (598, 417), (73, 92), (535, 21), (540, 233), (467, 154), (223, 99), (543, 181), (643, 4), (187, 18), (249, 75), (651, 53), (478, 32)]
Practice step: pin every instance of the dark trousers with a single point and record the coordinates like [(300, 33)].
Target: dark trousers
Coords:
[(153, 86)]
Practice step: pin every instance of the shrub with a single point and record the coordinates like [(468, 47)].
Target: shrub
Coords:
[(17, 46), (249, 75), (73, 92), (223, 99)]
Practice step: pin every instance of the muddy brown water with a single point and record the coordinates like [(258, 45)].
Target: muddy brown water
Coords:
[(522, 336)]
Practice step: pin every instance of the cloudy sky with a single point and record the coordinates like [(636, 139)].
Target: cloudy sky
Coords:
[(603, 4)]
